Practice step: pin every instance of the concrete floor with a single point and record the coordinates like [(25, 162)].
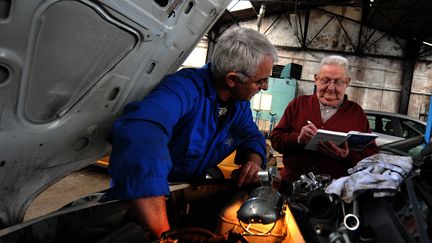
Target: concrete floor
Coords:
[(78, 184)]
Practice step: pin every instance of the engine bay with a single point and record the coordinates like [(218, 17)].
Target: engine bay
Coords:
[(276, 211)]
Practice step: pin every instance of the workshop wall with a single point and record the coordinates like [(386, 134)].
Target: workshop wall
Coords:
[(376, 78)]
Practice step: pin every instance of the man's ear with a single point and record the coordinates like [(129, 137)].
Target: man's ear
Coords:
[(231, 79), (315, 77), (348, 80)]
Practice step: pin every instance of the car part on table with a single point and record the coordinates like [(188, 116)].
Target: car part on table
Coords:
[(264, 204), (351, 220)]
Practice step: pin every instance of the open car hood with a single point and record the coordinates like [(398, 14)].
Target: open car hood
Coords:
[(67, 68)]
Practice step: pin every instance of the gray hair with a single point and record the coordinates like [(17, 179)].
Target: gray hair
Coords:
[(240, 50), (336, 60)]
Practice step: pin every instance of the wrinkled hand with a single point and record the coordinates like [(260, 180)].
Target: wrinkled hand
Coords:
[(333, 150), (248, 174), (306, 133)]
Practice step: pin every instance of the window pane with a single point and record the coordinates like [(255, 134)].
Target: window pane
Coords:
[(388, 126), (372, 122), (409, 129)]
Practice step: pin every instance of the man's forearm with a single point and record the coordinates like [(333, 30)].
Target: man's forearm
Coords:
[(255, 157), (249, 170), (151, 214)]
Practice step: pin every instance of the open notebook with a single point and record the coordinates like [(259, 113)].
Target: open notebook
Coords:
[(356, 140)]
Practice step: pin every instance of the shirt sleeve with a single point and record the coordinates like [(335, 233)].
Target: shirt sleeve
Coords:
[(254, 140), (284, 136), (140, 160)]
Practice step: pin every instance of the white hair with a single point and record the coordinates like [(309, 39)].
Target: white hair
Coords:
[(241, 50), (336, 60)]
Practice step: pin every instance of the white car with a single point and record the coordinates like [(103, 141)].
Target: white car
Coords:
[(391, 127)]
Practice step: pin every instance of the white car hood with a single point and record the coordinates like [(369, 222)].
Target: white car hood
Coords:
[(67, 68)]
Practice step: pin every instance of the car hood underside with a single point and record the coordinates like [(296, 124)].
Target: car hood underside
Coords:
[(67, 69)]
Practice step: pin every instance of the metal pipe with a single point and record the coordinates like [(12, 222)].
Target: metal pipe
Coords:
[(261, 16), (351, 221)]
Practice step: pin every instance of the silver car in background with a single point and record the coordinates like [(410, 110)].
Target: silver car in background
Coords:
[(393, 127)]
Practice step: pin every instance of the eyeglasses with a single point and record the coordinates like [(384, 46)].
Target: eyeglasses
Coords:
[(260, 83), (336, 82)]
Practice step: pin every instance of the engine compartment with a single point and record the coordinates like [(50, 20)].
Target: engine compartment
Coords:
[(208, 211)]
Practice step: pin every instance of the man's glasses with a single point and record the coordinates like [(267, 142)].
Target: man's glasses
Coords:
[(336, 82), (260, 83)]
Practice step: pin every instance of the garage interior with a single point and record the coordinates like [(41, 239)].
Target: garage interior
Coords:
[(387, 43)]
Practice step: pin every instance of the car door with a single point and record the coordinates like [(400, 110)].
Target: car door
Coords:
[(385, 127)]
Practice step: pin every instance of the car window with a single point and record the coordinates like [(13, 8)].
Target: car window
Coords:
[(409, 129), (387, 126), (395, 126), (372, 123), (418, 127), (381, 124)]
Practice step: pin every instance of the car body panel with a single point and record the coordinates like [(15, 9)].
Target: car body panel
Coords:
[(68, 67)]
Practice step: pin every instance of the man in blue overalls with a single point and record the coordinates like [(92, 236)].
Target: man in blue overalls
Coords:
[(189, 123)]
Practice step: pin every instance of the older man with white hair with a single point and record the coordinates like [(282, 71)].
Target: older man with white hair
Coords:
[(330, 109)]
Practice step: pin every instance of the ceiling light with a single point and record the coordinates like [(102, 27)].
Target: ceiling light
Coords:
[(427, 43), (237, 5)]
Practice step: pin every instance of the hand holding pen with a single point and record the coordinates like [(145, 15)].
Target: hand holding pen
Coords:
[(328, 147), (306, 133)]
